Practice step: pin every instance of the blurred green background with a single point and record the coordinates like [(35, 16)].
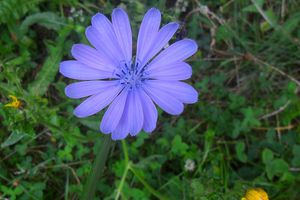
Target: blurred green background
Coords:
[(243, 132)]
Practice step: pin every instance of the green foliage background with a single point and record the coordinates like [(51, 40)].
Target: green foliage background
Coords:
[(243, 132)]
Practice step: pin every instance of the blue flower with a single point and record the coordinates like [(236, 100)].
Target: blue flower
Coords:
[(129, 86)]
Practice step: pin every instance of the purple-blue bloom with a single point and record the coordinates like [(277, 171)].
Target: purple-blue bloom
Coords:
[(129, 86)]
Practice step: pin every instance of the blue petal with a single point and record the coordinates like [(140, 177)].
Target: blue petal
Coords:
[(147, 33), (121, 26), (114, 113), (149, 111), (93, 37), (91, 57), (178, 51), (179, 90), (161, 39), (176, 71), (76, 70), (132, 119), (88, 88), (123, 127), (97, 102), (164, 100), (103, 37), (135, 114)]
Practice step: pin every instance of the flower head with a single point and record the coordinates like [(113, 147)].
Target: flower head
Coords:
[(129, 86), (16, 103), (189, 165), (255, 194)]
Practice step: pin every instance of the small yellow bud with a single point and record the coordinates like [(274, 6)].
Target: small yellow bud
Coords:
[(16, 103), (255, 194)]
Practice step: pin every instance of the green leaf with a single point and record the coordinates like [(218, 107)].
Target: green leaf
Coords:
[(250, 118), (50, 67), (240, 151), (47, 73), (296, 152), (223, 33), (237, 129), (178, 146), (236, 101), (49, 20), (252, 8), (197, 187), (103, 146), (91, 123), (277, 167), (272, 20), (292, 23), (11, 10), (14, 137), (267, 156), (209, 136)]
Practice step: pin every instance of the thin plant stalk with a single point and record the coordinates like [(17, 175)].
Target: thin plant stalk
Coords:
[(98, 166)]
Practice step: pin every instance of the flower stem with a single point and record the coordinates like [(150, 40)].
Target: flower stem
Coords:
[(98, 166), (125, 151), (127, 166), (146, 185), (120, 187)]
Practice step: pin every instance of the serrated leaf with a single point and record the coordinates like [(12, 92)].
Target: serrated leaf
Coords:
[(223, 33), (178, 146), (11, 10), (47, 73), (50, 67), (49, 20)]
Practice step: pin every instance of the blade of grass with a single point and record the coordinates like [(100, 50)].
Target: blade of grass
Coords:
[(67, 187), (274, 24), (99, 163)]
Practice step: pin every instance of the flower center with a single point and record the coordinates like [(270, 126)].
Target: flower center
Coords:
[(131, 75)]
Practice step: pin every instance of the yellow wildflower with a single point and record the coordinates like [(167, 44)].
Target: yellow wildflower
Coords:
[(16, 103), (255, 194)]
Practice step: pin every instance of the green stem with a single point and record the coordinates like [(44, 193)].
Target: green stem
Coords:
[(127, 166), (146, 185), (90, 186), (120, 187), (125, 151)]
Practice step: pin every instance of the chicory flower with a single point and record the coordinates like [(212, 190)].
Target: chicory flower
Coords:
[(129, 86)]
